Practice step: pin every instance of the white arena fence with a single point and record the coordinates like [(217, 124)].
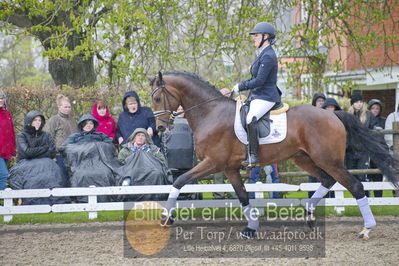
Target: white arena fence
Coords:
[(92, 207)]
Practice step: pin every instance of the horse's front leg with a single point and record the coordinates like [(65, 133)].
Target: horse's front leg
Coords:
[(242, 194), (202, 169)]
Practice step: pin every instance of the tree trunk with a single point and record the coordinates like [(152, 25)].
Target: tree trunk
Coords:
[(76, 73)]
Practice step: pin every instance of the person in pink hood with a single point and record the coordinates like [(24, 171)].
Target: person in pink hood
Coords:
[(7, 139), (106, 122)]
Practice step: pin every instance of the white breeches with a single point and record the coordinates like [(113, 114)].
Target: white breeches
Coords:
[(258, 108)]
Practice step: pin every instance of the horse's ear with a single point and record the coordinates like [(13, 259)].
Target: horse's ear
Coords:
[(160, 78)]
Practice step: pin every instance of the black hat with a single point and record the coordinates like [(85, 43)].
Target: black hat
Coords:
[(374, 101), (356, 97), (333, 102), (316, 96)]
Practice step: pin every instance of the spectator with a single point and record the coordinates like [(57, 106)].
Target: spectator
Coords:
[(358, 159), (140, 141), (254, 176), (392, 117), (106, 123), (33, 142), (331, 105), (317, 101), (35, 167), (359, 109), (144, 164), (60, 126), (218, 178), (272, 176), (375, 107), (7, 139), (135, 116), (87, 127), (90, 157)]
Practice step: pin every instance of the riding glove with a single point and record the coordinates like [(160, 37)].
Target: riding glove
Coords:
[(235, 88)]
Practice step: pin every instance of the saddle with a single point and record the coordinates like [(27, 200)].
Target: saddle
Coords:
[(264, 122)]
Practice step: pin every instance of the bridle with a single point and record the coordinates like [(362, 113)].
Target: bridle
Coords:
[(166, 92)]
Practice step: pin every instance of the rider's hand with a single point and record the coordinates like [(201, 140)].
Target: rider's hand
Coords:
[(150, 132), (235, 88)]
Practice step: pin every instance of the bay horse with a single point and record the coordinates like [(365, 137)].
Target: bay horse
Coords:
[(316, 141)]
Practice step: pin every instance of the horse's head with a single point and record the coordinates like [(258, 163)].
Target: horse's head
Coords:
[(165, 100)]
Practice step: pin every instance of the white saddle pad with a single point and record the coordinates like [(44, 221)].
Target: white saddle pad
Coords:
[(278, 129)]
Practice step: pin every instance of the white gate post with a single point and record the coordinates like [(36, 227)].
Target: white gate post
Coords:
[(339, 194), (8, 204), (260, 195), (92, 204)]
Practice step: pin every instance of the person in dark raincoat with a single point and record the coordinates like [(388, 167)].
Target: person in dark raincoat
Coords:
[(135, 116), (90, 157), (35, 166), (143, 164), (331, 104)]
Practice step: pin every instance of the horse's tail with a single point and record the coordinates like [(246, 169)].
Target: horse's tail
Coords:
[(361, 138)]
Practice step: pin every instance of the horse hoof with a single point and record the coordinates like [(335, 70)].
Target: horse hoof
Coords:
[(365, 233), (247, 233), (310, 220), (310, 223), (167, 221)]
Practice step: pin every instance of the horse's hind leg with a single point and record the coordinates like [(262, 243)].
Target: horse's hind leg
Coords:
[(306, 163), (355, 187), (249, 212)]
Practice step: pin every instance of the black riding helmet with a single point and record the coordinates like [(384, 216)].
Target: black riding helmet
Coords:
[(264, 28)]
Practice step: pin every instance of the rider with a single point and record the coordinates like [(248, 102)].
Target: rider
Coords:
[(264, 93)]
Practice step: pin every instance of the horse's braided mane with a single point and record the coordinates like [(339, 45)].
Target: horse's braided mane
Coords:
[(192, 77)]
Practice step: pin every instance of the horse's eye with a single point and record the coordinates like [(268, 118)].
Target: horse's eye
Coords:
[(157, 99)]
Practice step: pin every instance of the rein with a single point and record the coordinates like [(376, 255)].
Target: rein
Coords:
[(174, 113)]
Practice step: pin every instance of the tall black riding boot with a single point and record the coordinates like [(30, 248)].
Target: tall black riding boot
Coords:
[(252, 159)]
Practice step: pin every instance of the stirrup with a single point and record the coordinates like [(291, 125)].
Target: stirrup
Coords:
[(254, 164), (246, 163)]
